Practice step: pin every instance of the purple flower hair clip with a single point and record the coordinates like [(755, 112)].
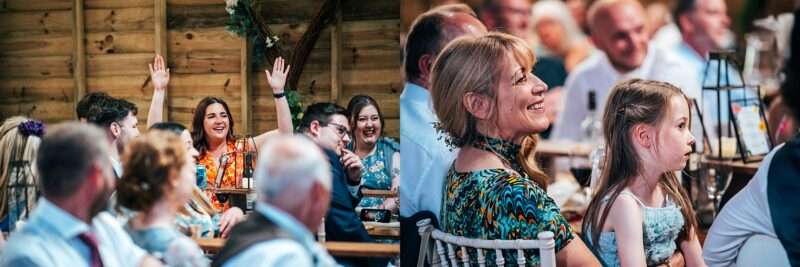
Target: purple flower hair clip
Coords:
[(31, 127)]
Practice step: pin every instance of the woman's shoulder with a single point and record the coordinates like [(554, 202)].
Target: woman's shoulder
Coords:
[(390, 143)]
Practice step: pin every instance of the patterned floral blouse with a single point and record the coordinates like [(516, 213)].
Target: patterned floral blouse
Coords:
[(500, 204), (233, 170), (377, 173)]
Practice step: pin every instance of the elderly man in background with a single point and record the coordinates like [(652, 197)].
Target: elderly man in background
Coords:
[(69, 226), (618, 31), (293, 180)]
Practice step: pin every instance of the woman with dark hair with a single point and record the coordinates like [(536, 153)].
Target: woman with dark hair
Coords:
[(380, 155), (199, 211), (214, 138)]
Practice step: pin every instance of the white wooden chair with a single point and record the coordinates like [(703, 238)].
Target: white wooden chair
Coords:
[(447, 244)]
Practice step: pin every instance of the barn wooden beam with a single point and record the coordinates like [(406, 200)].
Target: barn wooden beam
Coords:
[(160, 40), (79, 50), (336, 56), (247, 86), (303, 48)]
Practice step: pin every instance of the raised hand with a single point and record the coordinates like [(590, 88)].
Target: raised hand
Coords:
[(159, 73), (277, 78)]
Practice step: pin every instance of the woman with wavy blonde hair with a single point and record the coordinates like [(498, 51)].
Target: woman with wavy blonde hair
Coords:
[(19, 140), (491, 107)]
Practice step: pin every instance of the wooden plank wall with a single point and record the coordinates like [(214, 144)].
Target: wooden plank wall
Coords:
[(36, 53)]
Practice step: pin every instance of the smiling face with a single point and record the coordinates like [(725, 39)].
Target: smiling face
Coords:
[(334, 135), (520, 102), (619, 31), (216, 122), (710, 24), (368, 126), (675, 141)]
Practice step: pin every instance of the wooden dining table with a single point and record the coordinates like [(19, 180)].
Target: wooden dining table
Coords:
[(335, 248)]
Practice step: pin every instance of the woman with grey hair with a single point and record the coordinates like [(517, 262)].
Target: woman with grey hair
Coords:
[(557, 32)]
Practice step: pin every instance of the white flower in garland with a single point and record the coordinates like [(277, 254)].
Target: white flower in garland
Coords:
[(230, 5), (272, 40)]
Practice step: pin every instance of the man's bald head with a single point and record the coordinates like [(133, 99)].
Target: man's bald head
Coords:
[(430, 32), (618, 29)]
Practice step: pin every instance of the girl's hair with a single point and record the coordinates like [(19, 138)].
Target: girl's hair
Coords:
[(150, 162), (476, 64), (631, 103), (357, 103), (198, 132), (16, 145)]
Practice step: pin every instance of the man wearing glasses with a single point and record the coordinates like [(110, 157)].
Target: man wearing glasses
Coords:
[(327, 125)]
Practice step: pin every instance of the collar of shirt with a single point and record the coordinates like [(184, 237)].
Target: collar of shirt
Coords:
[(415, 93), (117, 166), (287, 223), (57, 220)]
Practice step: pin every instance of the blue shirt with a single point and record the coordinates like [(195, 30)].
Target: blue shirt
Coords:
[(426, 158), (50, 238), (283, 252)]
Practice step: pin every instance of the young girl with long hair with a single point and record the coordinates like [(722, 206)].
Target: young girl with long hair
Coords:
[(640, 214)]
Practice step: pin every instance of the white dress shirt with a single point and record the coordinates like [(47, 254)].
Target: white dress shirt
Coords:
[(50, 238), (426, 158), (745, 215), (596, 73)]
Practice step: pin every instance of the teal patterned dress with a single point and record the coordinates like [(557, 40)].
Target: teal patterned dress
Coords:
[(500, 204), (377, 171)]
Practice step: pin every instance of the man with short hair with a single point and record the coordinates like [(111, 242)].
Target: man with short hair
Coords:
[(293, 179), (326, 124), (90, 101), (704, 27), (618, 31), (426, 157), (68, 226), (118, 118)]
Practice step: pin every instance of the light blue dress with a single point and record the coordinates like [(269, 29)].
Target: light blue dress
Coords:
[(661, 228), (168, 245)]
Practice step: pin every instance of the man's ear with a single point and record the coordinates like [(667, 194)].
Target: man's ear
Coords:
[(425, 64), (314, 128), (685, 23), (477, 105), (115, 129)]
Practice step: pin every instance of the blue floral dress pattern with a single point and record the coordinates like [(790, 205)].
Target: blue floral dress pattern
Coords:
[(501, 204), (377, 171)]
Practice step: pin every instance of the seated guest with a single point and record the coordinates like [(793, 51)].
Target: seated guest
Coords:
[(158, 180), (213, 135), (118, 118), (326, 124), (19, 141), (199, 210), (766, 208), (558, 33), (69, 226), (640, 214), (618, 32), (494, 190), (88, 102), (293, 180), (380, 154)]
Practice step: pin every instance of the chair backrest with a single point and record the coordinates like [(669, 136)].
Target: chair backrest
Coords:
[(445, 246)]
